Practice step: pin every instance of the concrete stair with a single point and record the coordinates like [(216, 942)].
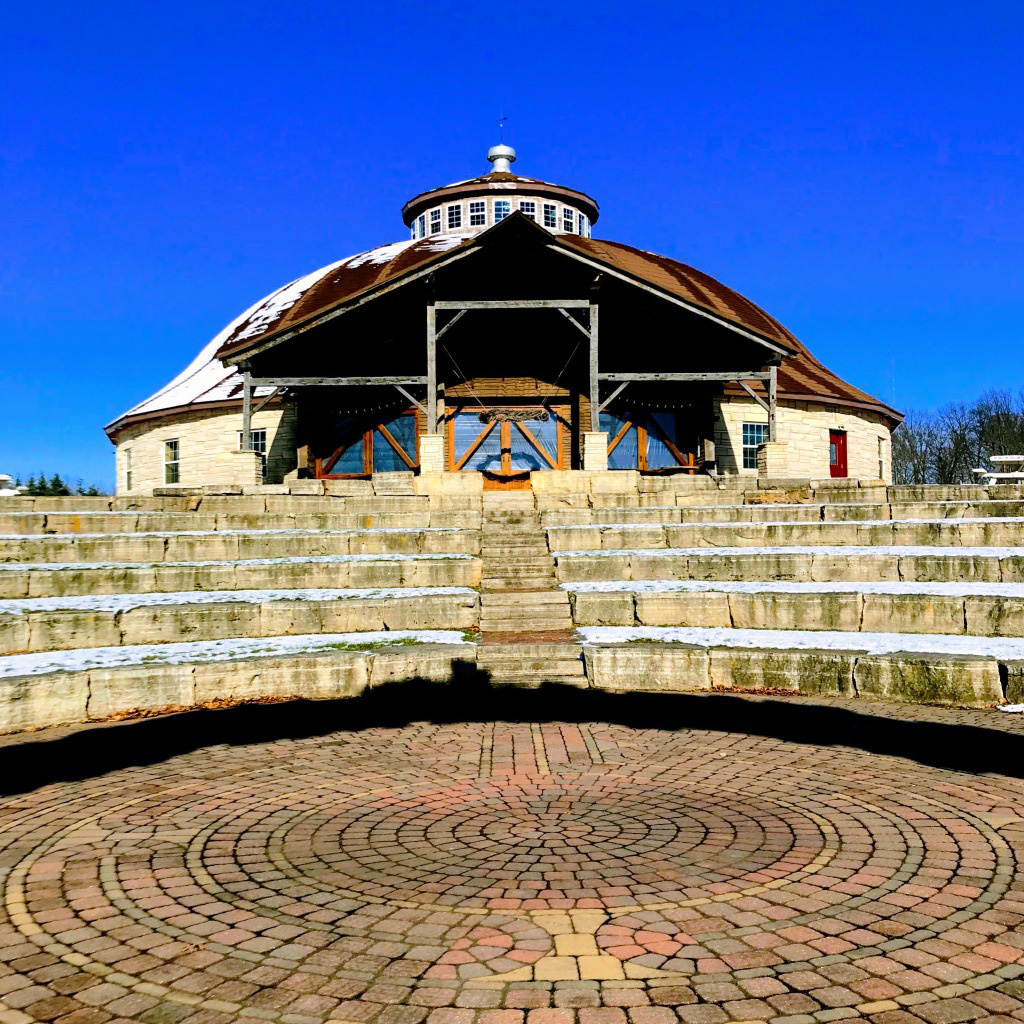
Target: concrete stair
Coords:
[(532, 664), (519, 592)]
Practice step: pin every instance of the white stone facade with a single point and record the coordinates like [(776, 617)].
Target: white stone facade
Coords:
[(207, 449), (803, 427)]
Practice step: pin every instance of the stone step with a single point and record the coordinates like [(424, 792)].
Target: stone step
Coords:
[(821, 564), (539, 595), (990, 531), (120, 621), (17, 581), (972, 612), (76, 686), (930, 669)]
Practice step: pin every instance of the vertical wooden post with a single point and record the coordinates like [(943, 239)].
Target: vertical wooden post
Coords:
[(431, 402), (246, 444), (595, 397), (773, 387)]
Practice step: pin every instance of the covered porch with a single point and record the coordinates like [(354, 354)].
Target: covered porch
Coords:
[(508, 355)]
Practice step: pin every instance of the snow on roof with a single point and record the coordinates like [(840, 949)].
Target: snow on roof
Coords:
[(206, 379)]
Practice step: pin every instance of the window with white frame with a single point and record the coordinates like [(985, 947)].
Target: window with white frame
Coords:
[(257, 443), (435, 221), (455, 216), (583, 225), (127, 469), (550, 215), (528, 208), (477, 213), (881, 458), (502, 209), (567, 218), (421, 226), (754, 434), (172, 462)]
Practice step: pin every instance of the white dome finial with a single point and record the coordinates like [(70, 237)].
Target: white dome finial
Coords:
[(502, 157)]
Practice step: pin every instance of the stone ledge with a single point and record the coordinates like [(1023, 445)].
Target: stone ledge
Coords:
[(63, 698)]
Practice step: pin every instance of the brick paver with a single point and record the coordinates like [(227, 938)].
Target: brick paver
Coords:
[(519, 873)]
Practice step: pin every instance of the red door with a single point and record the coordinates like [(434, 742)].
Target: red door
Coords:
[(837, 452)]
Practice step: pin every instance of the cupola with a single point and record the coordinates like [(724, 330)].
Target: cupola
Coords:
[(469, 207)]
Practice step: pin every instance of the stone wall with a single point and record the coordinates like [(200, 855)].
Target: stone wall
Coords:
[(207, 442), (208, 438), (803, 428)]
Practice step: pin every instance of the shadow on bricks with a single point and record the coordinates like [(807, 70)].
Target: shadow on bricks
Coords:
[(938, 737)]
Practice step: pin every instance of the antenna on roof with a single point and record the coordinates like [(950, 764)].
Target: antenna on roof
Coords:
[(501, 156)]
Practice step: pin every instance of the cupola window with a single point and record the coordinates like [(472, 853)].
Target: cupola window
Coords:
[(528, 208), (455, 216), (550, 215), (567, 218), (477, 214), (502, 209), (435, 221), (421, 226)]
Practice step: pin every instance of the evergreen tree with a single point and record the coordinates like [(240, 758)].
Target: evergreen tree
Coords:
[(58, 487)]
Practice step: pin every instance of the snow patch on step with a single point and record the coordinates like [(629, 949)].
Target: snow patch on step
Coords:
[(809, 640), (123, 602), (938, 589), (895, 550), (284, 560), (200, 651)]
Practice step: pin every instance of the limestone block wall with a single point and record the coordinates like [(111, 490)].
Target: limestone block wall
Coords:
[(207, 440), (804, 427)]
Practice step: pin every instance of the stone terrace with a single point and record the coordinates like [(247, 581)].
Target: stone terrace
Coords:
[(109, 606)]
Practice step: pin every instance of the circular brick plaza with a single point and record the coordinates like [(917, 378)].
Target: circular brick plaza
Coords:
[(486, 871)]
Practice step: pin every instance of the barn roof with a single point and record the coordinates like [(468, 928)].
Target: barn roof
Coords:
[(208, 382)]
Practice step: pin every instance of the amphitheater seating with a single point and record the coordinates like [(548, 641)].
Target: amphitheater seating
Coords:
[(174, 602), (123, 606), (918, 595)]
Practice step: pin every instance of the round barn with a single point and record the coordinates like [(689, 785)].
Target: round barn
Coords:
[(501, 339)]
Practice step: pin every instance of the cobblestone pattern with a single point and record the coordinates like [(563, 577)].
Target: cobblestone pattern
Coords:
[(493, 872)]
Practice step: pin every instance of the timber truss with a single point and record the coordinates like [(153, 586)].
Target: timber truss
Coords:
[(460, 307)]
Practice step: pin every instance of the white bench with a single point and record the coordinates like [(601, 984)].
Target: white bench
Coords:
[(989, 476)]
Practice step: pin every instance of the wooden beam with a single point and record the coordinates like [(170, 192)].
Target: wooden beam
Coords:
[(451, 323), (431, 364), (419, 405), (615, 394), (754, 395), (724, 375), (579, 327), (312, 382), (266, 399), (464, 304), (246, 445), (595, 377), (773, 396), (603, 268)]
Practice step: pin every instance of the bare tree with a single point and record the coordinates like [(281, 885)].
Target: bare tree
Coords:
[(944, 447)]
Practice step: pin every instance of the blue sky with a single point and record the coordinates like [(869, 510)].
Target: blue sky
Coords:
[(855, 169)]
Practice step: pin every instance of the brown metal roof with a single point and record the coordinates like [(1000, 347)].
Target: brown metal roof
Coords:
[(800, 375)]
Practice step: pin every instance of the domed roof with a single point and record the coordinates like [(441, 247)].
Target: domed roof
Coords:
[(209, 383)]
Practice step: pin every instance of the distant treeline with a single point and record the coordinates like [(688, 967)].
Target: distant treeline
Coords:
[(943, 446), (54, 486)]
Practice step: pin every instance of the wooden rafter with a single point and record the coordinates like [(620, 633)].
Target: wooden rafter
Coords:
[(308, 382), (753, 394)]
